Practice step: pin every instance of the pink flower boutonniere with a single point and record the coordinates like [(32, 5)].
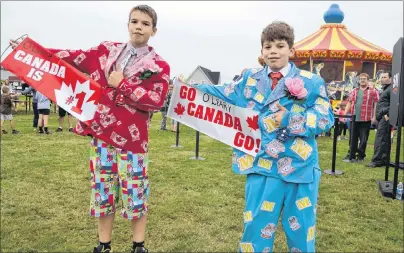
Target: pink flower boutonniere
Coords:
[(148, 69), (295, 88)]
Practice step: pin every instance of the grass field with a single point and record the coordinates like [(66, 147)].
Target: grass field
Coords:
[(195, 206)]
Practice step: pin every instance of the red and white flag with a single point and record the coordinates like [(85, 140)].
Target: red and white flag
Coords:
[(62, 83)]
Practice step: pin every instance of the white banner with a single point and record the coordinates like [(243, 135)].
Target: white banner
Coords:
[(230, 124)]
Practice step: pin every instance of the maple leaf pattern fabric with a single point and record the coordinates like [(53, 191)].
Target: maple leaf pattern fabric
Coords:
[(124, 126), (294, 157)]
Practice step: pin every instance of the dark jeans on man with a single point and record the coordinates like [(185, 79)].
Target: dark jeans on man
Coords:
[(382, 143), (361, 133), (36, 115)]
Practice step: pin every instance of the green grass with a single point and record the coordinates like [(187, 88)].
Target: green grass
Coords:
[(194, 205)]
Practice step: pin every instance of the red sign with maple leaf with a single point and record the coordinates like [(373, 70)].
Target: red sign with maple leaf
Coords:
[(54, 77)]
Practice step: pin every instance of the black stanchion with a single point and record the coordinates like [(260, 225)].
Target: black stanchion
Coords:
[(386, 170), (397, 164), (197, 157), (177, 137), (352, 150), (332, 171)]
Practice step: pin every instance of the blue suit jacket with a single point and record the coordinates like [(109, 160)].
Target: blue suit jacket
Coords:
[(293, 159)]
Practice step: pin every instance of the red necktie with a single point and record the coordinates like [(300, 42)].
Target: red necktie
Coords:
[(275, 76)]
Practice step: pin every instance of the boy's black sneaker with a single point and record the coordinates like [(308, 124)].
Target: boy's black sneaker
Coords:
[(101, 249), (59, 129), (3, 131), (139, 250), (71, 129), (15, 131)]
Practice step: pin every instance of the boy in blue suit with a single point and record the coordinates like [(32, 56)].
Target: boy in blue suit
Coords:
[(285, 174)]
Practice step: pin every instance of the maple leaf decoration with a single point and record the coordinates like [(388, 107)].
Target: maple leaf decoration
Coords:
[(252, 122), (179, 109)]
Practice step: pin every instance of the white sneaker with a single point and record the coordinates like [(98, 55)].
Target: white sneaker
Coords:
[(339, 138)]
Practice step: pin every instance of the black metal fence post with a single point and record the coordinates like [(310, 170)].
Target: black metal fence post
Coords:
[(334, 150), (177, 137), (352, 144), (197, 157)]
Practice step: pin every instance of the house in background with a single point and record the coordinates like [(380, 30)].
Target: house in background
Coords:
[(14, 82), (204, 75), (4, 75)]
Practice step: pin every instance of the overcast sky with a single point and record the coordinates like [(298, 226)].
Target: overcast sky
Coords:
[(220, 36)]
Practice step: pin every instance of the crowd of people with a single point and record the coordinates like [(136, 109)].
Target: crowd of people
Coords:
[(370, 107), (41, 110)]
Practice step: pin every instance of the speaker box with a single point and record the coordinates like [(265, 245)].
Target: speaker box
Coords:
[(396, 111)]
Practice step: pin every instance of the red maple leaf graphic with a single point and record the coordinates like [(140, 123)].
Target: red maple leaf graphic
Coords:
[(179, 109), (252, 122)]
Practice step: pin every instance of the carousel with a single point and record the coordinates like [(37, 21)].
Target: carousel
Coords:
[(339, 56)]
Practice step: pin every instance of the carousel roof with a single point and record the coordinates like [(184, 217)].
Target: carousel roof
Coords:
[(334, 41)]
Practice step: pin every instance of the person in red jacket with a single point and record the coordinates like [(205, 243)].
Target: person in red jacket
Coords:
[(135, 80)]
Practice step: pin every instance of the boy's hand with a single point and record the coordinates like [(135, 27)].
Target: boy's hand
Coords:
[(279, 115), (115, 78)]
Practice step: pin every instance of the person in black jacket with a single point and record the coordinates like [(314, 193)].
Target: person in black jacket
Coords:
[(382, 141)]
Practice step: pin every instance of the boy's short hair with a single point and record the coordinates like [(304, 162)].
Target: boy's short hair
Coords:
[(145, 9), (278, 30), (5, 89), (365, 75)]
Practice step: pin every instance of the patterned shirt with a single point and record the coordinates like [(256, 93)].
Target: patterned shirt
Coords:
[(370, 97)]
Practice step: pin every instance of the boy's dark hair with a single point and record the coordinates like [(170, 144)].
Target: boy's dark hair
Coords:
[(145, 9), (278, 30), (388, 72)]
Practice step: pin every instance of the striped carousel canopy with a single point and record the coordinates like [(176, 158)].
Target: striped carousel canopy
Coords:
[(334, 41)]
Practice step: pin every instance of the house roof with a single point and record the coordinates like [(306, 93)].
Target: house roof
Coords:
[(14, 78), (213, 76)]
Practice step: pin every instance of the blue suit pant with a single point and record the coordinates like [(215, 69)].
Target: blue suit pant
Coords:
[(266, 199)]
